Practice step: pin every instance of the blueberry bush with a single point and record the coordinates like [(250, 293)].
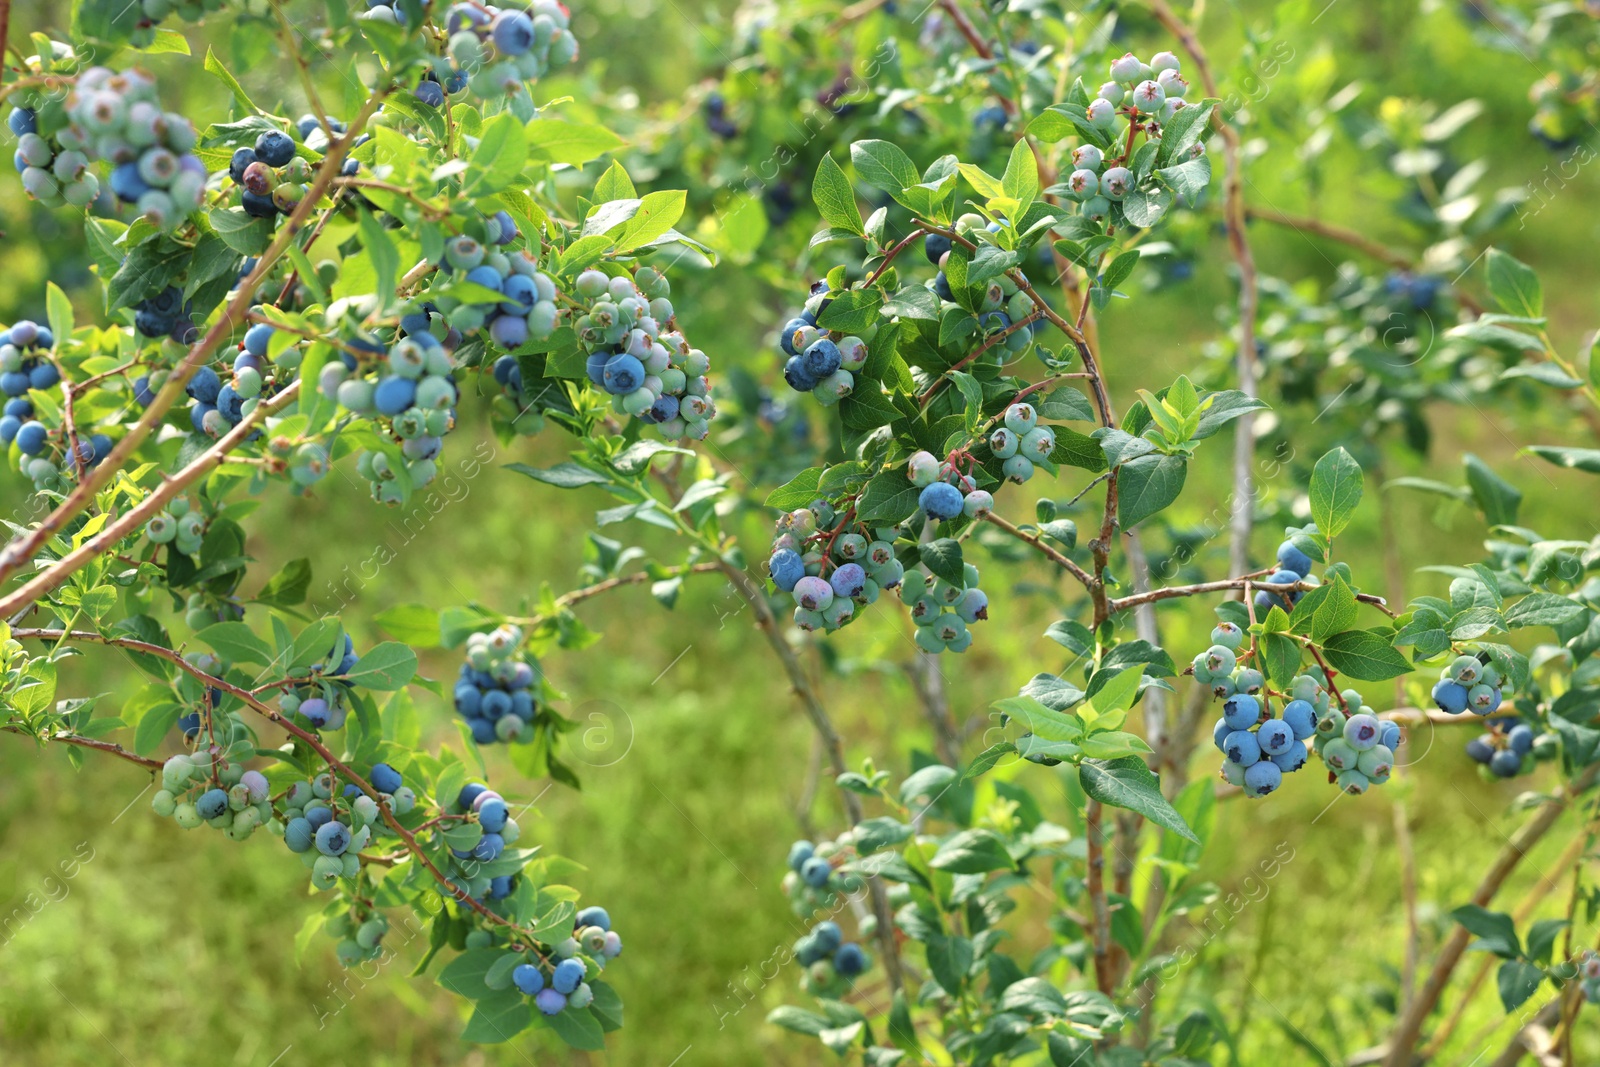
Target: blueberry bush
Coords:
[(383, 241)]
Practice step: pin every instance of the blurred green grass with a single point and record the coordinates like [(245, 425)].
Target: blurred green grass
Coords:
[(179, 949)]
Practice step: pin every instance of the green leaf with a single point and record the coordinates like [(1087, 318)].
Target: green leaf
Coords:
[(288, 587), (383, 253), (1497, 498), (500, 1016), (889, 498), (1336, 483), (578, 1028), (1368, 655), (1148, 484), (562, 475), (1582, 459), (214, 66), (658, 212), (1183, 131), (59, 310), (972, 852), (554, 141), (614, 184), (236, 642), (1544, 609), (1517, 981), (949, 958), (389, 665), (835, 199), (415, 624), (1280, 656), (1021, 179), (943, 560), (1128, 783), (1336, 611), (1542, 938), (883, 165), (879, 832), (801, 490), (798, 1019), (153, 727), (1144, 207), (1514, 285)]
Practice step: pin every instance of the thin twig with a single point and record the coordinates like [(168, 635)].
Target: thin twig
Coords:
[(66, 737)]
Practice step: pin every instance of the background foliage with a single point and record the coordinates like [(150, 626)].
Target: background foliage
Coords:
[(186, 954)]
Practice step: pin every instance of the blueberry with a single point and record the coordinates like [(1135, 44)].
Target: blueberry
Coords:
[(850, 960), (527, 978), (813, 594), (1241, 747), (242, 158), (815, 872), (1291, 760), (1521, 739), (822, 358), (1339, 755), (469, 795), (1291, 558), (594, 916), (1301, 718), (550, 1002), (298, 834), (799, 852), (385, 779), (1483, 698), (1241, 711), (1451, 697), (513, 35), (1390, 738), (1465, 669), (1275, 737), (492, 815), (1362, 731), (1262, 778), (204, 386), (31, 438), (848, 581), (1219, 733), (274, 148), (827, 936), (623, 374), (1505, 763), (333, 838), (934, 246), (941, 500), (568, 974), (489, 848), (212, 803)]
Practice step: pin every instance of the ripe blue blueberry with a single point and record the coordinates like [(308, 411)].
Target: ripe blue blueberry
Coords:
[(1262, 778), (298, 834), (815, 872), (1241, 747), (274, 148), (1505, 763), (1521, 739), (1241, 711), (594, 915), (333, 838), (848, 581), (513, 34), (941, 500), (31, 438), (934, 246), (527, 978), (850, 960), (822, 358), (212, 803), (549, 1002), (1391, 736), (1275, 737), (1291, 558), (786, 568), (1450, 697), (1301, 718), (623, 374), (492, 815), (1293, 759), (799, 852), (1219, 733)]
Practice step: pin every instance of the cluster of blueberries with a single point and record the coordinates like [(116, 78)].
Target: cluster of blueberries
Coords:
[(221, 794), (827, 564), (1002, 306), (1144, 93), (480, 878), (1416, 291), (359, 932), (832, 964), (1294, 567), (180, 526), (812, 883), (495, 692), (715, 109), (219, 406), (321, 704), (1021, 443), (1469, 682), (592, 941), (410, 388), (494, 51), (818, 361), (24, 366), (165, 314), (272, 176), (1511, 747), (650, 371), (329, 833), (115, 117)]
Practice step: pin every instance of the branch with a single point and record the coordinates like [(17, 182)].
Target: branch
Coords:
[(767, 623), (566, 600), (1243, 516), (62, 569), (68, 738), (1408, 1028), (1037, 541), (1093, 831), (26, 546), (1173, 591)]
